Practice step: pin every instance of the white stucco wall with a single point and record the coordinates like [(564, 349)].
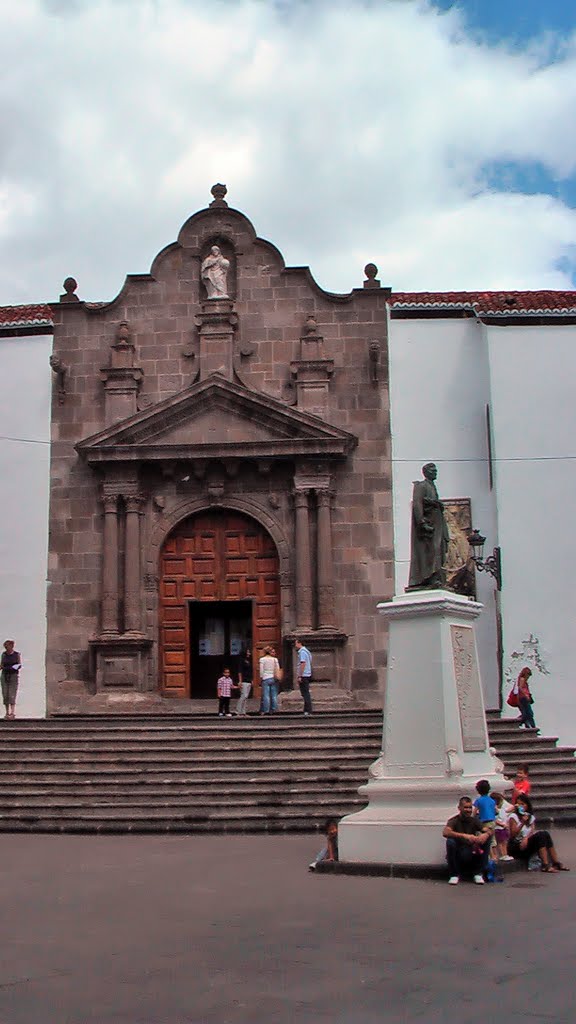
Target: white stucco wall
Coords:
[(532, 373), (24, 470), (440, 385)]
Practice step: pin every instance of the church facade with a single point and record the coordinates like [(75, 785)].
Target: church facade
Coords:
[(220, 472), (228, 455)]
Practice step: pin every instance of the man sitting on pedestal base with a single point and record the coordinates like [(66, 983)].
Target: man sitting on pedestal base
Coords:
[(467, 844)]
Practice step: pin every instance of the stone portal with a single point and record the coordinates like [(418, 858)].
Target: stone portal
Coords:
[(219, 591)]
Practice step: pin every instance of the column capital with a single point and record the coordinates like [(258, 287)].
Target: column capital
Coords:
[(134, 502), (109, 502), (301, 496), (324, 495)]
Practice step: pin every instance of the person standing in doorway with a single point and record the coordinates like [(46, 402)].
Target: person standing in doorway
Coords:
[(10, 663), (269, 676), (244, 681), (304, 674)]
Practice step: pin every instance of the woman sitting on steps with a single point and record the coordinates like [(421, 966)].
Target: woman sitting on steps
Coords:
[(525, 840)]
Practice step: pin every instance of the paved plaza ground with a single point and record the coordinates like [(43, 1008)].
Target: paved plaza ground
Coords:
[(234, 930)]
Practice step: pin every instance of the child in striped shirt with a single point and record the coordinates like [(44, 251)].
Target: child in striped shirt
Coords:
[(224, 688)]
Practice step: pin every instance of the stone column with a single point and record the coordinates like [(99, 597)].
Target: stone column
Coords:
[(303, 565), (325, 562), (132, 566), (110, 565)]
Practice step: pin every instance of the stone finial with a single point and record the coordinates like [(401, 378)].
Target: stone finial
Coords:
[(122, 354), (219, 191), (310, 327), (69, 286), (371, 281), (123, 337)]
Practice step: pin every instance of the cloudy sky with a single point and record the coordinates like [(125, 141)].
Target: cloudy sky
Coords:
[(436, 139)]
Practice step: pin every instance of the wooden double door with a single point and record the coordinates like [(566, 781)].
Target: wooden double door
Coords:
[(219, 591)]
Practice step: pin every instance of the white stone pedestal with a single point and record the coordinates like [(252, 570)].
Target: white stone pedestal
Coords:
[(435, 742)]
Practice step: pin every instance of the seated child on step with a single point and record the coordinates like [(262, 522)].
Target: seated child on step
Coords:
[(330, 851), (224, 687), (502, 834), (522, 784)]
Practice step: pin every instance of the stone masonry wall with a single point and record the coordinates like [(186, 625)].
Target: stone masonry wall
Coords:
[(272, 303)]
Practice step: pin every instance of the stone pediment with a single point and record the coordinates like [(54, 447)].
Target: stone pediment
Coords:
[(216, 419)]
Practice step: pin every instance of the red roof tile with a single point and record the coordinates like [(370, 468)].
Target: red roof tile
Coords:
[(506, 303), (25, 316)]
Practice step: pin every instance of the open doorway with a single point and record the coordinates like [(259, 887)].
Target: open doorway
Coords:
[(219, 631)]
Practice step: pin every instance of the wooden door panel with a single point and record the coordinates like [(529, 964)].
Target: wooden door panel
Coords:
[(214, 557)]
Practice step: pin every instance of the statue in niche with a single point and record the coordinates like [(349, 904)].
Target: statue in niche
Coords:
[(214, 274), (430, 537)]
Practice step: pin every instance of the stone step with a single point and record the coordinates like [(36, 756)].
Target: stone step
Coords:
[(223, 811), (126, 721), (215, 798), (204, 744), (248, 825), (204, 724), (185, 758)]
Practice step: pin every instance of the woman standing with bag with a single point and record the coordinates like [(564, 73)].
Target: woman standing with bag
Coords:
[(525, 700), (10, 663), (270, 677)]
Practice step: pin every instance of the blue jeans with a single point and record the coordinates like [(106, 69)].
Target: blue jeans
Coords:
[(462, 860), (526, 712), (269, 700)]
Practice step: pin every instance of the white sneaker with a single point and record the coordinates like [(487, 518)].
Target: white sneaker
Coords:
[(478, 879), (228, 716), (506, 857), (453, 880), (312, 866)]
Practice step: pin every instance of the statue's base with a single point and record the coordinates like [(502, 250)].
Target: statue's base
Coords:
[(435, 743)]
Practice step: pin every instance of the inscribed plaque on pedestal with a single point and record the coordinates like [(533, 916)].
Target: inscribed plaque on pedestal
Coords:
[(468, 684)]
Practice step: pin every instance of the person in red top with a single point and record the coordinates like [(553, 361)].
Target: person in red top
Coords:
[(522, 784), (525, 700)]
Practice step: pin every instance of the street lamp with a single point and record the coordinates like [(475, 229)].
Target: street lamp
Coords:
[(492, 563)]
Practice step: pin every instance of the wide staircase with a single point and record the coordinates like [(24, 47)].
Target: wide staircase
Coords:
[(196, 773)]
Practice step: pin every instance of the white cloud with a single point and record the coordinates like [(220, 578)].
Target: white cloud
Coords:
[(345, 131)]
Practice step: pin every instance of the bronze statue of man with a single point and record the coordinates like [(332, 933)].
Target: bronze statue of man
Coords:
[(429, 539)]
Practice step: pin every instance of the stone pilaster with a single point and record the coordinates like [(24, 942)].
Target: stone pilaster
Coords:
[(122, 379), (303, 565), (132, 612), (110, 565), (325, 561), (312, 371)]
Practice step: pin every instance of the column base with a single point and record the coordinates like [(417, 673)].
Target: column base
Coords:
[(404, 819)]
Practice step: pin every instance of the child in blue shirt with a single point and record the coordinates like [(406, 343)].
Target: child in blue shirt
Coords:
[(484, 805)]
